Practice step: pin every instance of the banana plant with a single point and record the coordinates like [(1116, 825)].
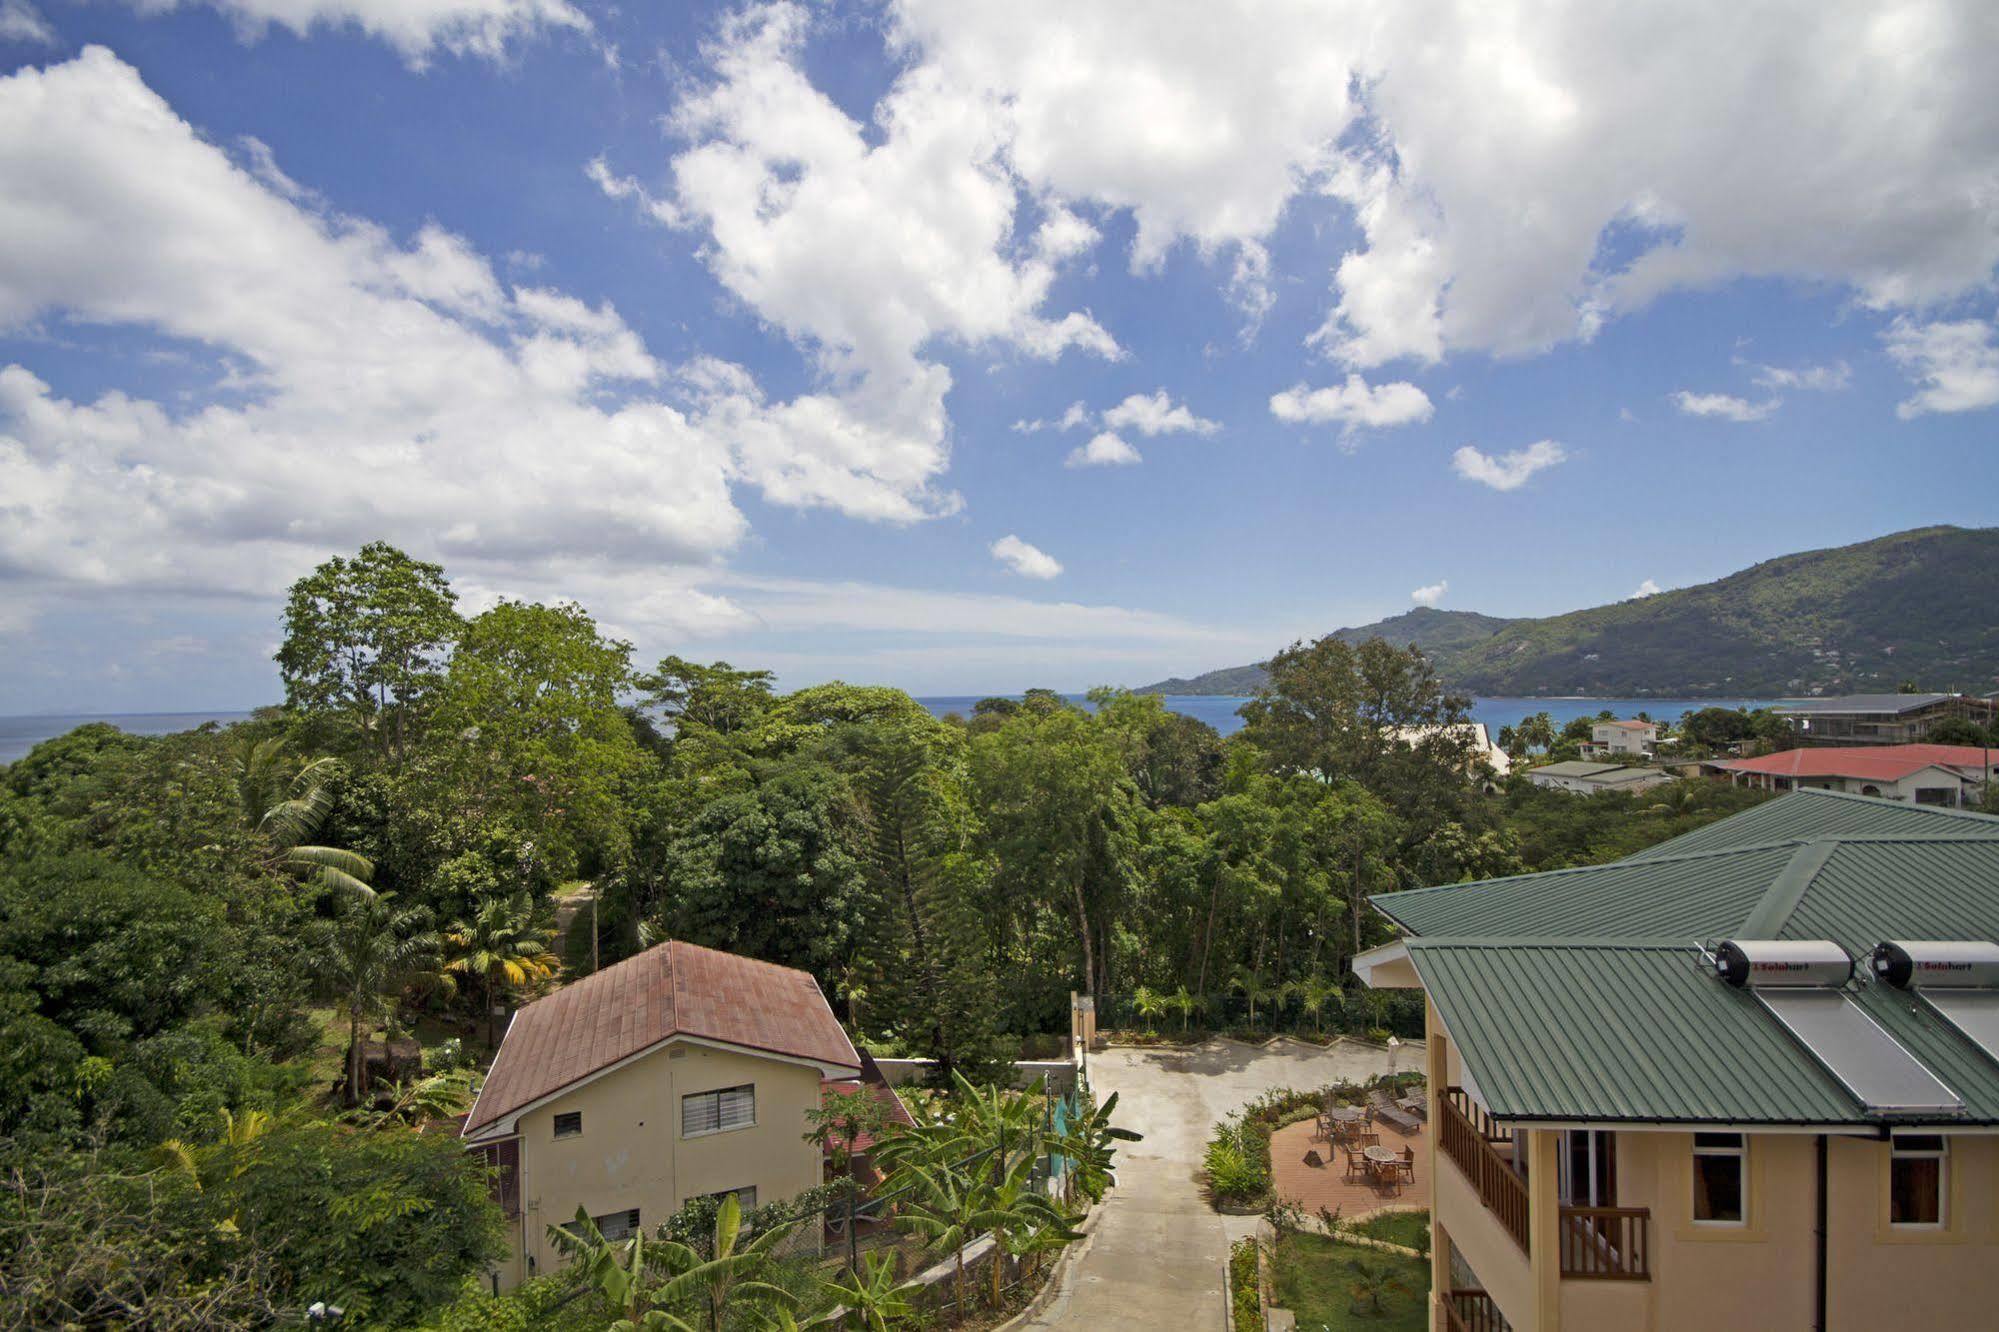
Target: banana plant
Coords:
[(872, 1297)]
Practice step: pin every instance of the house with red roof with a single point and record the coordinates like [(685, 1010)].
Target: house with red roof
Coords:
[(680, 1073), (1631, 739), (1921, 774)]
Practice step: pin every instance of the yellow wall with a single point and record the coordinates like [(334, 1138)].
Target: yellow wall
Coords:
[(631, 1154)]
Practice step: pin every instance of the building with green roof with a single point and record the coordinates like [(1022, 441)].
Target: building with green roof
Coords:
[(1622, 1138)]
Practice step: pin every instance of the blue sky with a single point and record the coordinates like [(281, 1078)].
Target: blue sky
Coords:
[(735, 323)]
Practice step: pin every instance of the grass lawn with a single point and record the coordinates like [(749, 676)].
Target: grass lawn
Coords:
[(1409, 1229), (1315, 1279)]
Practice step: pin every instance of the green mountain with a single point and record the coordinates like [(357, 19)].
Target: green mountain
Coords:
[(1920, 605)]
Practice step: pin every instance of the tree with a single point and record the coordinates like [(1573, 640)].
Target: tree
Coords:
[(1314, 993), (839, 1120), (504, 946), (1148, 1004), (939, 994), (532, 705), (1184, 1004), (364, 644), (1376, 714), (646, 1281), (287, 806), (368, 956), (718, 698), (1057, 804), (874, 1295)]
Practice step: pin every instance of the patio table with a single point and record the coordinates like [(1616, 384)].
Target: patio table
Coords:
[(1384, 1156)]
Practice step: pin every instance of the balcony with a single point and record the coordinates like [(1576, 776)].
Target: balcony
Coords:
[(1470, 1311), (1471, 1139), (1596, 1243), (1606, 1243)]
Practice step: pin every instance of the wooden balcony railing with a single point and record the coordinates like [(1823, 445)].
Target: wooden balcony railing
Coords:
[(1470, 1311), (1467, 1136), (1606, 1243)]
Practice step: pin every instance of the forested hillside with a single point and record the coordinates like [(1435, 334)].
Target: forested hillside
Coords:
[(1916, 606), (204, 938)]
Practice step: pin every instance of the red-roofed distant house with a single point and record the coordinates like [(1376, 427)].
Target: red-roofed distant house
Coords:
[(1920, 774), (1632, 739), (678, 1073)]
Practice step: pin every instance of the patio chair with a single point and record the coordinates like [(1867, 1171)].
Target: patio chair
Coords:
[(1357, 1165), (1408, 1166), (1366, 1140)]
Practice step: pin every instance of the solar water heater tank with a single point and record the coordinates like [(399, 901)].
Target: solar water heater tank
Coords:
[(1938, 964), (1783, 964)]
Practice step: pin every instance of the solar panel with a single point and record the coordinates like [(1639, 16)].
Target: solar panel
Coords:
[(1869, 1063), (1973, 1012)]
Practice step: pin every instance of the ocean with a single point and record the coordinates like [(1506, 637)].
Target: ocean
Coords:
[(18, 735)]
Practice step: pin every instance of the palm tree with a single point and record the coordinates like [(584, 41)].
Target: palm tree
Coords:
[(732, 1273), (1314, 993), (503, 946), (198, 1164), (1253, 988), (1184, 1004), (287, 807), (1022, 1221), (1149, 1005), (946, 1208), (370, 955), (616, 1270), (873, 1295)]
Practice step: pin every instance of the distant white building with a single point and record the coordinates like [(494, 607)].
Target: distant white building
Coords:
[(1634, 738), (1583, 778), (1478, 740)]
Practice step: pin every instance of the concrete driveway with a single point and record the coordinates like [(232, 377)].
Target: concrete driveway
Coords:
[(1153, 1259)]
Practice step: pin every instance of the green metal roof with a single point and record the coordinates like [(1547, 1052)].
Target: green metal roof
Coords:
[(1814, 813), (1634, 1030), (1585, 994)]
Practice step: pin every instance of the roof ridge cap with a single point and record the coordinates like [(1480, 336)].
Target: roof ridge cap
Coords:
[(1767, 918), (1626, 862)]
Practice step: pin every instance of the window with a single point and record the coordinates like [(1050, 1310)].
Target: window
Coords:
[(569, 1125), (1916, 1178), (1720, 1182), (616, 1226), (716, 1111), (746, 1198)]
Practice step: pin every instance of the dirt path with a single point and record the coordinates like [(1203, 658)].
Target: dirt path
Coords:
[(1153, 1261)]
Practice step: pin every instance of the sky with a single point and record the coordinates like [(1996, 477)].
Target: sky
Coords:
[(968, 348)]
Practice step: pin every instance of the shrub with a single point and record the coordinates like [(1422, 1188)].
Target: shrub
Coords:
[(1238, 1161), (1245, 1294)]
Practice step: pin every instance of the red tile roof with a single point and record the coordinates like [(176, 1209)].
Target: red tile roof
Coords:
[(675, 989), (1881, 763)]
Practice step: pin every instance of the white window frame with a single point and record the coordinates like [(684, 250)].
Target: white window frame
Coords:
[(1740, 1151), (1941, 1155), (717, 1093), (555, 1124), (746, 1197), (637, 1224)]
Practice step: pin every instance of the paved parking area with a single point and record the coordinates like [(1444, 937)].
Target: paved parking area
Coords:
[(1153, 1260)]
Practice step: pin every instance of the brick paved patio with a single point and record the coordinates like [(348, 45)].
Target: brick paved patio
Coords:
[(1325, 1185)]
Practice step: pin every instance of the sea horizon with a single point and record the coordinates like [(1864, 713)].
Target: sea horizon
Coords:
[(21, 733)]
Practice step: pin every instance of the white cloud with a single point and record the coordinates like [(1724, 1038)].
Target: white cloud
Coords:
[(1431, 594), (366, 388), (1956, 363), (864, 245), (1811, 378), (1354, 404), (1636, 157), (1726, 406), (1104, 450), (1077, 415), (1156, 414), (1648, 588), (1507, 471), (21, 22), (1023, 559), (416, 28)]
